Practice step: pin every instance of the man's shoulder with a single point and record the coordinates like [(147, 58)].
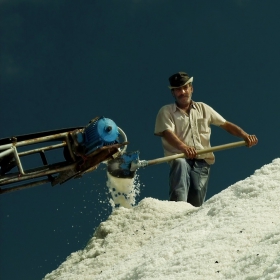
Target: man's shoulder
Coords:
[(207, 110), (199, 103), (168, 107)]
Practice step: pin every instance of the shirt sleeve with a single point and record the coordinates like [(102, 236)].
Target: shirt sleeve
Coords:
[(164, 121), (215, 117)]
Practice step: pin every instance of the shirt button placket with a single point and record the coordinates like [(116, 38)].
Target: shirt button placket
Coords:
[(194, 130)]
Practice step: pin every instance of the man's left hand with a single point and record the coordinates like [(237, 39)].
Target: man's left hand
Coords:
[(251, 140)]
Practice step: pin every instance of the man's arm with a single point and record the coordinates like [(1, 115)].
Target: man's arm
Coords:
[(174, 141), (235, 130)]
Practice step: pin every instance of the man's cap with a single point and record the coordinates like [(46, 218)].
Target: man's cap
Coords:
[(179, 79)]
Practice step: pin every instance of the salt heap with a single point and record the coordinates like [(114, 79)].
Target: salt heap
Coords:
[(234, 235)]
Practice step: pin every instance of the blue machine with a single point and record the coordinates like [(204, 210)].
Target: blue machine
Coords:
[(98, 133)]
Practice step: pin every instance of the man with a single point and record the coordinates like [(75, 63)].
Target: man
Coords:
[(184, 127)]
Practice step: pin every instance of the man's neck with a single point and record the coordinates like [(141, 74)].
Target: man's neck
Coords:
[(185, 108)]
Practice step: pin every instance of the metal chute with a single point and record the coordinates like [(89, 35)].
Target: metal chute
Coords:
[(83, 148)]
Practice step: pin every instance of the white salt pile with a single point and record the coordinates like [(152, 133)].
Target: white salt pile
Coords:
[(234, 235)]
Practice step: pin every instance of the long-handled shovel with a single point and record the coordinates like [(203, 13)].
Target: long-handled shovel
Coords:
[(126, 165)]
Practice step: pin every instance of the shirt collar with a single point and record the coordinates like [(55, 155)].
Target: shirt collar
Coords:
[(174, 106)]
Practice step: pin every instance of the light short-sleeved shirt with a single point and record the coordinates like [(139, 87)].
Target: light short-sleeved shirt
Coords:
[(193, 129)]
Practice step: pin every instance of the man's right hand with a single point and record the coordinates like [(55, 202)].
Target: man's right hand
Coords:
[(190, 152), (174, 141)]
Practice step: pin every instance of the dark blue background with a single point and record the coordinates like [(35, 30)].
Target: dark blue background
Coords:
[(65, 62)]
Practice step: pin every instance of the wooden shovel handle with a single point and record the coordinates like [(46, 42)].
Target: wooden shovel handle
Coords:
[(199, 152)]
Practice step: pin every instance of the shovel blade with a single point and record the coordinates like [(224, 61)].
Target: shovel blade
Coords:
[(120, 166)]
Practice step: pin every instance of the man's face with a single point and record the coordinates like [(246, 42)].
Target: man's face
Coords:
[(183, 95)]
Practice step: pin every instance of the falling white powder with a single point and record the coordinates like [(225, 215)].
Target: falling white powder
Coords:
[(123, 191)]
